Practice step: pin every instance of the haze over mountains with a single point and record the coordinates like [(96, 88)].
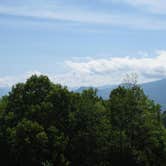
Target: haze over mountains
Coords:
[(155, 90)]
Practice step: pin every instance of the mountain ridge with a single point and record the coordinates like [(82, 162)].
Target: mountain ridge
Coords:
[(155, 90)]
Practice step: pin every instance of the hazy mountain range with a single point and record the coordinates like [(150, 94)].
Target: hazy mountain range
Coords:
[(155, 90)]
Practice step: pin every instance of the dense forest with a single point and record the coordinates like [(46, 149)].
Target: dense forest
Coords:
[(45, 124)]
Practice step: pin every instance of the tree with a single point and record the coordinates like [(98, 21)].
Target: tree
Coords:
[(135, 122), (42, 123), (29, 143)]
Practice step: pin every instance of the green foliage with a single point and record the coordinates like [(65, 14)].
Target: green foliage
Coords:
[(43, 124), (163, 118), (47, 163), (136, 121), (28, 142)]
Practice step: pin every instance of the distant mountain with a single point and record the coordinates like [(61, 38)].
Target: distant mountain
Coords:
[(4, 91), (79, 90), (154, 90), (103, 91)]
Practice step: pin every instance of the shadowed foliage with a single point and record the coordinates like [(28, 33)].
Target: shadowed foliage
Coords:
[(44, 124)]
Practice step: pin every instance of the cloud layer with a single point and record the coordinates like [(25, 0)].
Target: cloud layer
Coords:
[(154, 6), (98, 72), (112, 70), (97, 17), (151, 6)]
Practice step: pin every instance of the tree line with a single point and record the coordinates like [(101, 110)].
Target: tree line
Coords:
[(45, 124)]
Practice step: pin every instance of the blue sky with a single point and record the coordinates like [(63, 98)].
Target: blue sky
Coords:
[(82, 42)]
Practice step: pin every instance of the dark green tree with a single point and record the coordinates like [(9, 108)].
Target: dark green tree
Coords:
[(136, 125), (42, 123)]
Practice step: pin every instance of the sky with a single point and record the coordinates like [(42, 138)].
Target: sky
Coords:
[(82, 42)]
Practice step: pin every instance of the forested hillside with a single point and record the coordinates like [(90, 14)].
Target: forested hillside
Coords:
[(44, 124)]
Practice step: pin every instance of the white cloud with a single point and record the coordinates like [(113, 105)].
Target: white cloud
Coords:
[(87, 17), (111, 71), (154, 6), (98, 72), (8, 81)]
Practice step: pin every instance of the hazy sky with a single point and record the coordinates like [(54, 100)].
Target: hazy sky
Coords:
[(82, 42)]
